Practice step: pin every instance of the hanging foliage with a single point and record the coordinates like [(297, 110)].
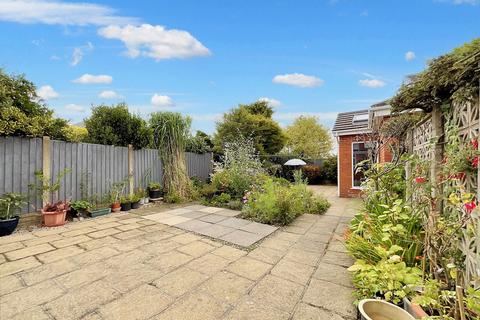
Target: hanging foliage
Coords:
[(170, 135), (449, 78)]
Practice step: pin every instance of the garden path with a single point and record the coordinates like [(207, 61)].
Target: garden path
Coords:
[(125, 266)]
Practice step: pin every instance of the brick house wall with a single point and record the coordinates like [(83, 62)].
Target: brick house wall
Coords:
[(345, 171)]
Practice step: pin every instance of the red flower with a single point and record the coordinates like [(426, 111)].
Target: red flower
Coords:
[(475, 162), (474, 143), (420, 180), (470, 206), (458, 176)]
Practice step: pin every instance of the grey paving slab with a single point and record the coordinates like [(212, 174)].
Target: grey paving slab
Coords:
[(213, 218), (194, 214), (193, 225), (234, 222), (215, 231), (228, 213), (195, 207), (259, 228), (241, 238)]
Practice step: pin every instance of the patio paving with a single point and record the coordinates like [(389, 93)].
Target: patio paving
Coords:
[(130, 266), (216, 223)]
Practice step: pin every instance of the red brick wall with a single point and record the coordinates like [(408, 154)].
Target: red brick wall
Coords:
[(345, 167)]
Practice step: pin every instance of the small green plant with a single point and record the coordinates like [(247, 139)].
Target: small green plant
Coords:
[(81, 205), (100, 201), (117, 189), (125, 199), (154, 186), (10, 203), (46, 189), (134, 198), (390, 279)]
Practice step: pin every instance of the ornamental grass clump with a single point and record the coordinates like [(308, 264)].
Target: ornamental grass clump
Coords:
[(171, 130)]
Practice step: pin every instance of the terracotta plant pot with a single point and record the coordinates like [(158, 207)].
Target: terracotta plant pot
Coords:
[(373, 309), (54, 218), (116, 207), (414, 309), (8, 226)]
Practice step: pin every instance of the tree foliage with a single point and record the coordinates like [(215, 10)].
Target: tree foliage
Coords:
[(22, 113), (309, 139), (199, 143), (115, 125), (253, 121), (451, 77)]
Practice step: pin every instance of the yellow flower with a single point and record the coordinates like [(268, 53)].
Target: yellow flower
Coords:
[(467, 197), (453, 198)]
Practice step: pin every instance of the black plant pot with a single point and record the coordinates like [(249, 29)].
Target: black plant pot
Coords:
[(126, 206), (154, 194), (8, 226), (136, 205)]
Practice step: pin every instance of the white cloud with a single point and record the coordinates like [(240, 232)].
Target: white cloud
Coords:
[(109, 94), (410, 55), (58, 12), (286, 116), (162, 101), (372, 83), (79, 52), (92, 79), (272, 102), (155, 42), (75, 108), (298, 80), (47, 92)]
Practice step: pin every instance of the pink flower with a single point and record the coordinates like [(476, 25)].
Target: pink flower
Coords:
[(474, 143), (475, 162), (470, 206), (420, 180)]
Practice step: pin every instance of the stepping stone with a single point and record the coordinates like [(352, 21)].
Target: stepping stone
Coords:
[(194, 214), (211, 210), (228, 212)]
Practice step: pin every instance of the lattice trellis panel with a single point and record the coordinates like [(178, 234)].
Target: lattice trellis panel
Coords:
[(422, 136), (466, 118)]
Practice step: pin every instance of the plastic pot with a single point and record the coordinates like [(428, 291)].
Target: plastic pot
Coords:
[(373, 309), (126, 206), (8, 226), (136, 205), (155, 194), (54, 218), (99, 212)]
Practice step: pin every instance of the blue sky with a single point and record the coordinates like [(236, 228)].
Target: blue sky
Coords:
[(202, 58)]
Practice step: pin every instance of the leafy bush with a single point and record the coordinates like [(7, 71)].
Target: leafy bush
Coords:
[(278, 203), (313, 173), (9, 204), (329, 169), (154, 186), (390, 279), (239, 169)]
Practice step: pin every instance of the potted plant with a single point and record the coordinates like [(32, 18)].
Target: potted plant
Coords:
[(100, 207), (135, 201), (372, 309), (80, 208), (125, 203), (142, 194), (9, 204), (115, 193), (154, 190), (54, 212)]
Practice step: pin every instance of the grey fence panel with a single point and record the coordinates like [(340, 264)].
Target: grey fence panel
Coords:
[(97, 166), (147, 167), (19, 159), (199, 165)]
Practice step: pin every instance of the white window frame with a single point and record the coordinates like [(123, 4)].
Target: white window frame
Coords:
[(353, 167)]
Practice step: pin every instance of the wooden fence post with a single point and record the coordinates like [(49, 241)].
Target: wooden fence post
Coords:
[(130, 169), (46, 166)]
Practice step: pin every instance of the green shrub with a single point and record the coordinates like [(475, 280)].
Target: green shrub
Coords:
[(154, 186), (277, 203), (313, 173)]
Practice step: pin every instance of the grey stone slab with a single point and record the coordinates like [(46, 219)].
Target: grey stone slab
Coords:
[(242, 238), (177, 212), (333, 273), (193, 225), (338, 258), (234, 223), (195, 207), (228, 213), (319, 293), (194, 214), (215, 230), (213, 218), (259, 228)]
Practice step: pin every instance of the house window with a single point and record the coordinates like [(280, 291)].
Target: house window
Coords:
[(359, 153)]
